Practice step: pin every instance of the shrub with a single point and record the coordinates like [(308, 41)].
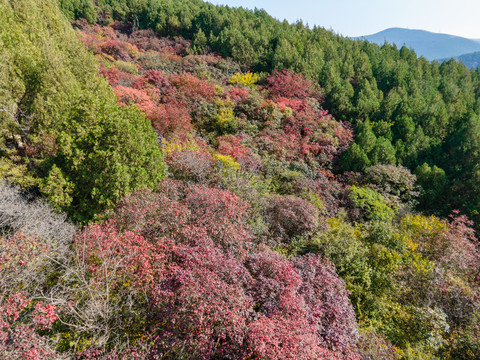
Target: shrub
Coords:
[(231, 145), (193, 89), (238, 95), (286, 83), (248, 79), (159, 80), (172, 120), (190, 165), (131, 96), (290, 217), (19, 340), (190, 214), (117, 49), (375, 206), (297, 308)]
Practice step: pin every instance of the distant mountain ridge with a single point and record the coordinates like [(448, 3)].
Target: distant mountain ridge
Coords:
[(425, 43), (471, 60)]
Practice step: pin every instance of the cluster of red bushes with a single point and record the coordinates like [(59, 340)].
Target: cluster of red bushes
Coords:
[(173, 272), (210, 292), (174, 93)]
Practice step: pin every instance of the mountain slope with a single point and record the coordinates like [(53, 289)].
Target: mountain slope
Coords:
[(471, 60), (225, 257), (430, 45), (403, 109)]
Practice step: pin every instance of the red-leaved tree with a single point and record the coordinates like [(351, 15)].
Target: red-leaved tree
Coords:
[(287, 83)]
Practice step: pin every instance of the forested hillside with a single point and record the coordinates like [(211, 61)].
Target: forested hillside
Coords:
[(187, 181), (405, 110)]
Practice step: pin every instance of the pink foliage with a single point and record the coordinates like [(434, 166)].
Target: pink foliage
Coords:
[(237, 94), (231, 145), (171, 119), (191, 214), (131, 96), (19, 339), (112, 75), (106, 32), (288, 84), (193, 89), (293, 324), (147, 40), (116, 77), (463, 252), (159, 80), (294, 104), (344, 134), (325, 298), (121, 253), (221, 213), (90, 41), (290, 216), (44, 316), (117, 49), (204, 303)]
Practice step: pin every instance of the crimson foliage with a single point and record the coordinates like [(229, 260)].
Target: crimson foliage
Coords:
[(290, 216), (190, 214), (287, 83), (209, 293), (203, 303)]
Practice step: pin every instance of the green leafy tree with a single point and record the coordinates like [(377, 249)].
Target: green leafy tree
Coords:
[(434, 182), (87, 151), (383, 152), (75, 9), (375, 205), (355, 159)]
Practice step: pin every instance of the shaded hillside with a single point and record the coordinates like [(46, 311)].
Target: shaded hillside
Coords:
[(432, 46)]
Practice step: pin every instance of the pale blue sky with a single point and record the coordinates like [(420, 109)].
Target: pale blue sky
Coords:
[(357, 17)]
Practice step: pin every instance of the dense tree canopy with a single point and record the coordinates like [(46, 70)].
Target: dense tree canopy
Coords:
[(87, 152)]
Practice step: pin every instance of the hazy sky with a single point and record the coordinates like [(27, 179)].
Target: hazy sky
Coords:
[(365, 17)]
